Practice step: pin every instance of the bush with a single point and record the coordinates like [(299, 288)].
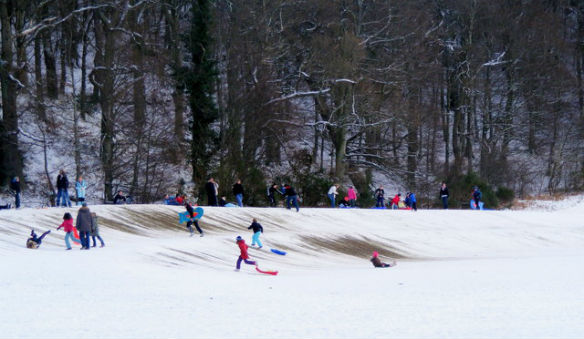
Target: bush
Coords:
[(505, 194), (313, 187), (461, 191)]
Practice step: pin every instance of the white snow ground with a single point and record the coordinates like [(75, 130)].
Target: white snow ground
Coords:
[(461, 274)]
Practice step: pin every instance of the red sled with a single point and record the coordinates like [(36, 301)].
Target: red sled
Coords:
[(267, 272)]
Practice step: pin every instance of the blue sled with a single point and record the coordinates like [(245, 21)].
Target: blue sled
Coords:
[(473, 206), (277, 251), (184, 216)]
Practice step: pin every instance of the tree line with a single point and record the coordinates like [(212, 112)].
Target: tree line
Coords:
[(311, 92)]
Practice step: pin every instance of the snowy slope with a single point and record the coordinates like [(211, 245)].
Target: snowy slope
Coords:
[(460, 274)]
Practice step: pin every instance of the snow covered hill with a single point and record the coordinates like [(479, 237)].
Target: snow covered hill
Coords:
[(459, 274)]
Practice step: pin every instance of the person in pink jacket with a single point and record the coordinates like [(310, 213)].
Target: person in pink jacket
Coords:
[(352, 195), (68, 227)]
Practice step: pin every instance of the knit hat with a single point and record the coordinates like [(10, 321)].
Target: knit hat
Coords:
[(238, 238), (375, 254)]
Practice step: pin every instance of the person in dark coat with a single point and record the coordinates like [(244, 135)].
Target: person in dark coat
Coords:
[(15, 186), (379, 196), (272, 194), (62, 189), (477, 195), (291, 197), (257, 231), (120, 198), (238, 192), (211, 189), (377, 262), (444, 195), (95, 231), (35, 241), (84, 225), (191, 220)]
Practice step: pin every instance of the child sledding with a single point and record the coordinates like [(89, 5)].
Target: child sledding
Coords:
[(244, 256)]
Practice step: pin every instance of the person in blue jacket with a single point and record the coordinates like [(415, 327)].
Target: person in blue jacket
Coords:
[(257, 231), (413, 201), (477, 195)]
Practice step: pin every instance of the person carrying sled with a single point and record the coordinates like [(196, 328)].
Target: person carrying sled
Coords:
[(379, 196), (34, 241), (243, 256), (377, 262), (257, 231), (191, 221), (68, 227)]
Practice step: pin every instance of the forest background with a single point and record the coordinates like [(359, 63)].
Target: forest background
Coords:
[(155, 96)]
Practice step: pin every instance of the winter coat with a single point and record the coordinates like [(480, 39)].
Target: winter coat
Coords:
[(290, 191), (243, 249), (237, 189), (211, 189), (62, 181), (84, 220), (412, 198), (477, 195), (80, 187), (95, 225), (67, 225), (444, 192), (376, 262), (119, 198), (332, 190), (256, 227), (395, 200), (190, 210), (351, 194), (15, 186), (379, 193)]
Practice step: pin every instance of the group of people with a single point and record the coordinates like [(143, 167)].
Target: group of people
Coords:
[(86, 224), (350, 199), (212, 190)]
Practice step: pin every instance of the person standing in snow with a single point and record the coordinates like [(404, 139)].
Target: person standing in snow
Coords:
[(352, 195), (379, 196), (444, 195), (413, 201), (120, 198), (243, 256), (84, 225), (211, 189), (377, 262), (191, 221), (272, 194), (332, 193), (95, 231), (257, 231), (477, 195), (291, 197), (238, 192), (80, 187), (62, 189), (68, 227), (15, 187)]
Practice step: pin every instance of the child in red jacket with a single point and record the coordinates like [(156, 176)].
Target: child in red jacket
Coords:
[(68, 226), (243, 256)]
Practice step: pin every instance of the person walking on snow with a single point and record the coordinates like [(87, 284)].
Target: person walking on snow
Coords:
[(257, 231), (15, 186), (243, 256), (332, 193), (68, 227), (84, 225), (80, 187), (352, 195), (291, 197), (62, 189), (379, 196), (191, 221), (95, 231), (238, 192), (444, 195), (377, 262)]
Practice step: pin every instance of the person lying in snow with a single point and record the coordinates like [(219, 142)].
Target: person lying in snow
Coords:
[(377, 263), (34, 242)]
